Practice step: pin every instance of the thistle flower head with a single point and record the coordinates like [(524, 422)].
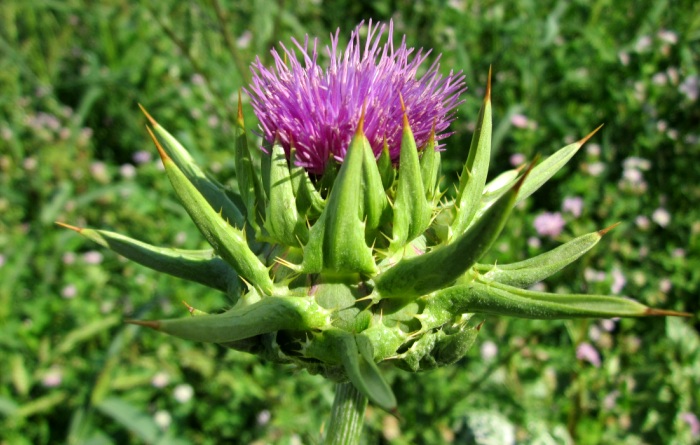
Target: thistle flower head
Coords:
[(373, 266), (318, 110)]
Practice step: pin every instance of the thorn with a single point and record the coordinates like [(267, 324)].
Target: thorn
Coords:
[(147, 323), (191, 309), (248, 285), (405, 115), (239, 117), (68, 226), (287, 264), (590, 135), (361, 123), (607, 229), (665, 313), (161, 151), (529, 168), (148, 116), (275, 141), (468, 171), (487, 95), (478, 327), (365, 298)]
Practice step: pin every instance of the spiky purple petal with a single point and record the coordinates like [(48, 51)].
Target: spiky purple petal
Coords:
[(317, 110)]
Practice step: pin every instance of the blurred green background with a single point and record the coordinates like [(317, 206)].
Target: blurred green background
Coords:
[(73, 148)]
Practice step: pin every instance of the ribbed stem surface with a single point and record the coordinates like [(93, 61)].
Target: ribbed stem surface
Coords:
[(347, 416)]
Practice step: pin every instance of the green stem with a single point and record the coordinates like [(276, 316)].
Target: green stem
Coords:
[(347, 416)]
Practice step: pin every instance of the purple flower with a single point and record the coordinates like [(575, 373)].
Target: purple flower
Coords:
[(693, 422), (691, 87), (521, 121), (549, 224), (573, 205), (619, 281), (52, 378), (142, 157), (317, 109), (586, 352), (610, 400), (92, 257), (517, 159)]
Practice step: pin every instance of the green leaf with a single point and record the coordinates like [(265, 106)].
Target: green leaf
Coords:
[(249, 183), (437, 349), (541, 173), (209, 188), (412, 211), (283, 222), (21, 381), (430, 169), (309, 200), (131, 418), (386, 168), (85, 332), (375, 209), (265, 166), (420, 275), (489, 297), (228, 242), (495, 188), (533, 270), (270, 314), (473, 179), (337, 240), (200, 266), (8, 407), (48, 403), (358, 362), (355, 353), (548, 167), (327, 180)]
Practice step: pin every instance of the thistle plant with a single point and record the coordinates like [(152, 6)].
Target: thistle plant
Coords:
[(340, 251)]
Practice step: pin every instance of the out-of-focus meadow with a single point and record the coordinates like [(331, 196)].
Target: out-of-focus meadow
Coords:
[(73, 148)]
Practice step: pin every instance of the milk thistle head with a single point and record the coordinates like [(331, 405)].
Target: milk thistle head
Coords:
[(338, 270), (317, 108)]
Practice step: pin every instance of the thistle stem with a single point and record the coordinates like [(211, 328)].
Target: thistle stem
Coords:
[(347, 416)]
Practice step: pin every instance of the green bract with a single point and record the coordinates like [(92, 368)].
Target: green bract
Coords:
[(366, 264)]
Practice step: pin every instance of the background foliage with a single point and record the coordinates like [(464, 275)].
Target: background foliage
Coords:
[(73, 149)]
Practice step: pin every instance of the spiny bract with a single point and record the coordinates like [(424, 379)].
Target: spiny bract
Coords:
[(364, 264)]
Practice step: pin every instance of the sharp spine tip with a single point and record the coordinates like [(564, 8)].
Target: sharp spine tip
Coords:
[(361, 123), (487, 95), (602, 232), (148, 116), (589, 135), (652, 312), (68, 226), (161, 151), (146, 323), (239, 117), (529, 168)]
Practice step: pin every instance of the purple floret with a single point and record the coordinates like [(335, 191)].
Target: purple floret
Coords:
[(317, 109)]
